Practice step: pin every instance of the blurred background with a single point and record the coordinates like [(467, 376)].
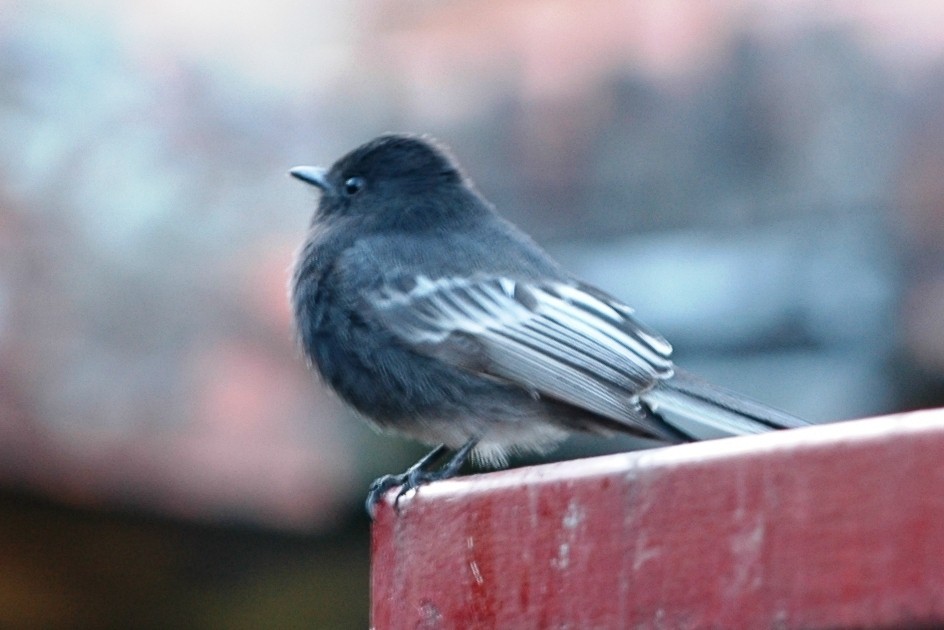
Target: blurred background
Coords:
[(763, 180)]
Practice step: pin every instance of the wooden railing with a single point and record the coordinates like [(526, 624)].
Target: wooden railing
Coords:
[(834, 526)]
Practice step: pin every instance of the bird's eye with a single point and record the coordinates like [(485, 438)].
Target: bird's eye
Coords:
[(353, 185)]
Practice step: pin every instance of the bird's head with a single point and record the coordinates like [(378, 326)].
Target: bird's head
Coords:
[(392, 176)]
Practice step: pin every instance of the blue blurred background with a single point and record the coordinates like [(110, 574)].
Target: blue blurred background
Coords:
[(763, 180)]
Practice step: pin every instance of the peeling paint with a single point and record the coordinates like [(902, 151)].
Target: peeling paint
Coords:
[(476, 573), (746, 546), (473, 565), (573, 516), (562, 561), (643, 553)]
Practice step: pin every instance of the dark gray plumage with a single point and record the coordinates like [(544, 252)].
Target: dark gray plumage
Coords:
[(436, 318)]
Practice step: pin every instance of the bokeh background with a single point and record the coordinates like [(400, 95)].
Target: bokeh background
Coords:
[(763, 180)]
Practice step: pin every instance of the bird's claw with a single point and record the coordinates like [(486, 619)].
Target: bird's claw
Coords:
[(379, 488), (416, 476), (409, 480)]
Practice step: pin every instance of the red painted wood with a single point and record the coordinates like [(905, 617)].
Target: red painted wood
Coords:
[(834, 526)]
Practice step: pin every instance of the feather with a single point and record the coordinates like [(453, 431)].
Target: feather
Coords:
[(552, 338)]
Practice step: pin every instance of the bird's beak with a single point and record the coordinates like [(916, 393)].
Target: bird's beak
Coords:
[(314, 175)]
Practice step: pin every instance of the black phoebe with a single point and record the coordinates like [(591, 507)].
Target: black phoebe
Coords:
[(436, 318)]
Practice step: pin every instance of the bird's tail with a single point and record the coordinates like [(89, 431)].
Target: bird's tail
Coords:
[(701, 411)]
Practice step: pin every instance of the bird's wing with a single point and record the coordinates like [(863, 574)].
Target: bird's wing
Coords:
[(558, 340)]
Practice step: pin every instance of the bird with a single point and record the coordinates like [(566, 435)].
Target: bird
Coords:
[(436, 318)]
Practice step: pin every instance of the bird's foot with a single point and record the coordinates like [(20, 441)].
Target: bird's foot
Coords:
[(417, 475)]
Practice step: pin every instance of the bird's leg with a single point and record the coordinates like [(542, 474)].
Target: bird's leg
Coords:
[(380, 485), (419, 474)]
